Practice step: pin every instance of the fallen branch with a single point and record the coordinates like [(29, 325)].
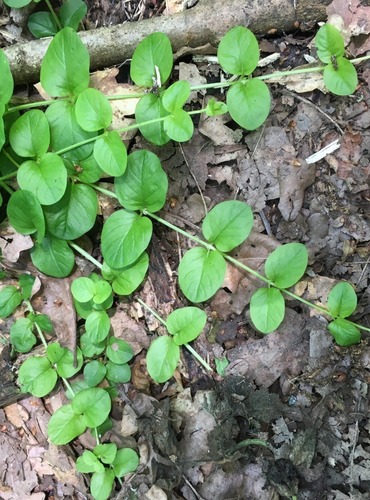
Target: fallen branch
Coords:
[(204, 24)]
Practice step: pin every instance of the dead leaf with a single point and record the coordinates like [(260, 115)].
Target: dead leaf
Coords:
[(56, 302), (265, 360), (16, 414), (125, 328), (294, 177), (12, 243)]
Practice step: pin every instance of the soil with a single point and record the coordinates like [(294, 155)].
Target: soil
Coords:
[(289, 415)]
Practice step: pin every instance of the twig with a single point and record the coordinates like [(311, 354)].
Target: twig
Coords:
[(310, 103), (195, 180)]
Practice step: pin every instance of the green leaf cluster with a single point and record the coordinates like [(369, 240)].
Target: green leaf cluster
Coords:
[(340, 75), (184, 325), (105, 463), (202, 270), (342, 302), (42, 24)]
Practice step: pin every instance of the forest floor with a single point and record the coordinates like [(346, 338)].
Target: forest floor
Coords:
[(301, 400)]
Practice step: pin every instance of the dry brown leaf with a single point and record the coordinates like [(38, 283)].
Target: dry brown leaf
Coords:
[(56, 301), (16, 414), (12, 243), (125, 328), (265, 360)]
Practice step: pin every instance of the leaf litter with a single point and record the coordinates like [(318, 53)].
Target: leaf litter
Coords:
[(297, 402)]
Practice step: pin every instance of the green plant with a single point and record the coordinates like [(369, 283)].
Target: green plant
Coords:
[(43, 24), (58, 158)]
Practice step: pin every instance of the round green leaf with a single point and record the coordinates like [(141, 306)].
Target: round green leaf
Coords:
[(329, 42), (153, 52), (10, 298), (74, 214), (7, 83), (248, 103), (162, 358), (65, 425), (25, 213), (65, 131), (176, 95), (286, 264), (101, 484), (65, 69), (201, 273), (26, 282), (124, 238), (228, 224), (88, 170), (93, 110), (144, 184), (21, 335), (37, 376), (118, 373), (267, 309), (88, 462), (47, 178), (103, 291), (89, 350), (42, 24), (64, 359), (72, 12), (119, 351), (215, 108), (106, 452), (97, 326), (83, 289), (126, 461), (185, 324), (179, 126), (344, 332), (94, 372), (94, 404), (29, 135), (126, 280), (53, 257), (340, 77), (238, 51), (149, 108), (342, 300), (110, 153), (17, 4)]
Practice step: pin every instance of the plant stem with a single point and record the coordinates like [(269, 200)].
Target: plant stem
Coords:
[(188, 347), (199, 358), (246, 268), (125, 96), (208, 246), (6, 188), (68, 385), (119, 130), (53, 14), (39, 331), (85, 254), (8, 176), (103, 190), (36, 104), (12, 160), (155, 314)]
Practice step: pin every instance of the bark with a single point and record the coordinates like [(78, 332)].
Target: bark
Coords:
[(203, 24)]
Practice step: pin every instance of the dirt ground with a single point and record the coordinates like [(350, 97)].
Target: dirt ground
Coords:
[(289, 417)]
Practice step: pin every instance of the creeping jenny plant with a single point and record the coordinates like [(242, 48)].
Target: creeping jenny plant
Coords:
[(52, 159)]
